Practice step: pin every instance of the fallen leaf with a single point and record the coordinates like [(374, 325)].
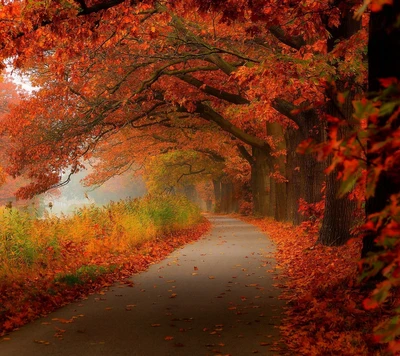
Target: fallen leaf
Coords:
[(64, 321), (265, 343)]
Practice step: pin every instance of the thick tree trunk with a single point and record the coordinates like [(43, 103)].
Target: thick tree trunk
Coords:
[(384, 62), (338, 216), (304, 173), (339, 212), (313, 170), (295, 173), (281, 202), (260, 182), (278, 194), (314, 178), (310, 127)]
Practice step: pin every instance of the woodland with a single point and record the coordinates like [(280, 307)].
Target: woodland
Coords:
[(286, 112)]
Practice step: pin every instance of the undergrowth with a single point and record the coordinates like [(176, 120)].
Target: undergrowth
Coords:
[(46, 263)]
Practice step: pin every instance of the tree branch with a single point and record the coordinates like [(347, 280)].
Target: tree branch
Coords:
[(245, 154), (214, 156), (207, 113), (294, 42), (286, 108), (220, 94)]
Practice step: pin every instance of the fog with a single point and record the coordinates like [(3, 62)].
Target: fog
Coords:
[(74, 195)]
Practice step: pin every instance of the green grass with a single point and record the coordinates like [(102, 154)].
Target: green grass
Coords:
[(70, 243)]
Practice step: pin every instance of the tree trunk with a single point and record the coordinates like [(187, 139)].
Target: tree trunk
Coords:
[(295, 173), (260, 182), (338, 215), (384, 62), (217, 194), (278, 164), (339, 211), (227, 197), (312, 170)]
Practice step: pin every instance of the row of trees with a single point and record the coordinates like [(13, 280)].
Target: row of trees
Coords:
[(232, 88), (123, 82)]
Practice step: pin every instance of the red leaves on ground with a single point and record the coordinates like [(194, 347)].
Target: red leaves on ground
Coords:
[(325, 314)]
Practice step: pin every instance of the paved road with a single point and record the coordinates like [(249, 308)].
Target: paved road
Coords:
[(212, 297)]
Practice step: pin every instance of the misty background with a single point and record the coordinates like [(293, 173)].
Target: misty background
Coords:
[(74, 195)]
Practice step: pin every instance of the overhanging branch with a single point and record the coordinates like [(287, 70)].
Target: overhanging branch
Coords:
[(220, 94), (207, 113)]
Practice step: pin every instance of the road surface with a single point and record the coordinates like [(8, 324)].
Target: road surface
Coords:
[(211, 297)]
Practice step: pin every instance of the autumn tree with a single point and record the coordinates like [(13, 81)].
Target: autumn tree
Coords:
[(178, 172), (260, 89), (9, 96), (381, 240), (383, 79)]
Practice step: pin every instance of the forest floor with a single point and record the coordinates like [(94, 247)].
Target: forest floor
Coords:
[(325, 310), (215, 296)]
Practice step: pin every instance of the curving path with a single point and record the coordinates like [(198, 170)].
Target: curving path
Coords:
[(211, 297)]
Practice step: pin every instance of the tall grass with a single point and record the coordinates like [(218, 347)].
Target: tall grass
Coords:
[(69, 246)]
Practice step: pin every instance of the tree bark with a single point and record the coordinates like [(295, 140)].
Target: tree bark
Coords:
[(338, 214), (384, 62), (278, 164), (260, 183), (313, 128), (339, 211), (295, 174), (310, 127)]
